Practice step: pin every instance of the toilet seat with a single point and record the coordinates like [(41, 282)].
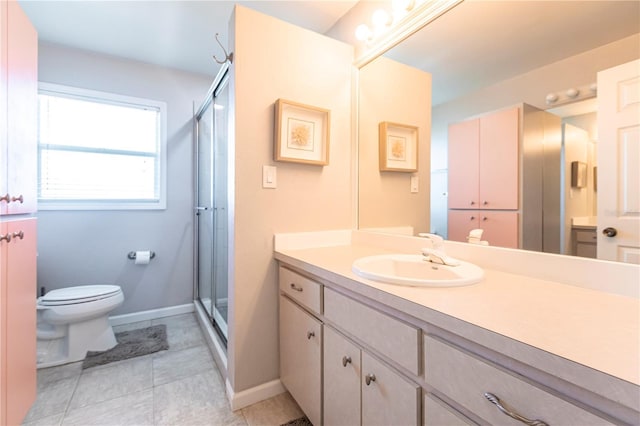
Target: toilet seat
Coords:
[(77, 295)]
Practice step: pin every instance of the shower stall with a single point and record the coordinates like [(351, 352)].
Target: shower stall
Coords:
[(211, 204)]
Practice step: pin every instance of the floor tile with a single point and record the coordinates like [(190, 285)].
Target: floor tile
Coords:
[(273, 411), (97, 385), (52, 399), (173, 365), (132, 409), (131, 326), (183, 331), (193, 401), (54, 420), (49, 375)]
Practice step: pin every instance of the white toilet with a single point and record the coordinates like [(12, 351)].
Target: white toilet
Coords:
[(74, 320)]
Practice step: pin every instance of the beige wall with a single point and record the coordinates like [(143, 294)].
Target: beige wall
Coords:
[(391, 91), (275, 60)]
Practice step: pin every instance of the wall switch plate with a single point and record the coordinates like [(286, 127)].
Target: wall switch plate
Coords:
[(269, 177), (414, 183)]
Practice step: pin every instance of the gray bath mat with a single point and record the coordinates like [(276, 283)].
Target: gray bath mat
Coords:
[(302, 421), (131, 344)]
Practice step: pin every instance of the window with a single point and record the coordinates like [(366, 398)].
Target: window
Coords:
[(100, 151)]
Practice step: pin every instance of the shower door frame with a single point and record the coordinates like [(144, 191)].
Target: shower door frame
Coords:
[(222, 79)]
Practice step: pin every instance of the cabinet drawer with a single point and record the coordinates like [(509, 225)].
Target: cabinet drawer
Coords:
[(465, 379), (586, 236), (437, 413), (392, 338), (301, 289)]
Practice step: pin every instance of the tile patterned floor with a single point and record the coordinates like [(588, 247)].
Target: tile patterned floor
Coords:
[(181, 386)]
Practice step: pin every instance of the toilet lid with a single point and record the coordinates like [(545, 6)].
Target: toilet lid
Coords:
[(79, 294)]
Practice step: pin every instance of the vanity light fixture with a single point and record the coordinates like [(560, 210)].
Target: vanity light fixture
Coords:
[(572, 94), (382, 21)]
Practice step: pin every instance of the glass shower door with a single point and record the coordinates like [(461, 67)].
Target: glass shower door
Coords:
[(220, 218), (211, 210), (204, 210)]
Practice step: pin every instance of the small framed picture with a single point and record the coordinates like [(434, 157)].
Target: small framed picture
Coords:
[(301, 133), (398, 147), (578, 174)]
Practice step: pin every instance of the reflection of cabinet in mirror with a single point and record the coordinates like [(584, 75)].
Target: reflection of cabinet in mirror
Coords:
[(496, 176)]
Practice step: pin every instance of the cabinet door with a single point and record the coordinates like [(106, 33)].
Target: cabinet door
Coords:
[(500, 228), (460, 222), (499, 162), (387, 398), (341, 380), (20, 318), (463, 164), (22, 113), (300, 357)]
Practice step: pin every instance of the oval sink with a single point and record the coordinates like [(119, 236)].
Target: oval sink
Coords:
[(414, 270)]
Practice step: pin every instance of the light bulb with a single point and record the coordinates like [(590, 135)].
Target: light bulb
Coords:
[(380, 19), (551, 98), (363, 32)]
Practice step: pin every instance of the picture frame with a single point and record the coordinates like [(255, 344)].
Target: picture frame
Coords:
[(398, 147), (301, 133), (578, 174)]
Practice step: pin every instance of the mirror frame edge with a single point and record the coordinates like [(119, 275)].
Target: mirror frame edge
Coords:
[(405, 28)]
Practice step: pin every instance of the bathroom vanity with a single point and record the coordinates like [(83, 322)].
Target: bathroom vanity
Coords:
[(515, 345)]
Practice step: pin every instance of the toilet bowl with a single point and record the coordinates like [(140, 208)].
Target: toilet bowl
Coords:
[(76, 319)]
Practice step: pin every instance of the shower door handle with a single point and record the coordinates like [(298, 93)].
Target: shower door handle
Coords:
[(201, 208)]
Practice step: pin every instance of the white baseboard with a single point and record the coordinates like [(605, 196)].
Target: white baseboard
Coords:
[(256, 394), (151, 314)]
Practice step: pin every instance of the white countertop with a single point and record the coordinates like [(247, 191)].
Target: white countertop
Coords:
[(596, 329)]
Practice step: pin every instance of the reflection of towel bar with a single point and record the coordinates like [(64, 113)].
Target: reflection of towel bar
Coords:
[(132, 255)]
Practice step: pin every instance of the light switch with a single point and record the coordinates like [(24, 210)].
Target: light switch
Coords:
[(269, 176), (414, 183)]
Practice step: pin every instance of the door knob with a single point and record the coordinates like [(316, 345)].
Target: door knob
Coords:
[(610, 232)]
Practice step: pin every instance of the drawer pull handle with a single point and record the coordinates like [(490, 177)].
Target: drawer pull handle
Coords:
[(296, 288), (369, 378), (19, 198), (346, 360), (6, 197), (5, 237), (503, 408), (310, 334), (19, 234)]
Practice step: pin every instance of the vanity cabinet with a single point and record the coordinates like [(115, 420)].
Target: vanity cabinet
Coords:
[(301, 357), (468, 380), (354, 359), (360, 389), (301, 342), (585, 242)]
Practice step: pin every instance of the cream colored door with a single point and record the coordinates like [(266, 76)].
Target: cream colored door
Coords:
[(618, 163), (341, 380), (387, 398), (301, 357)]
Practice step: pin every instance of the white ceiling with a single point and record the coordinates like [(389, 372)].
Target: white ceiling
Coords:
[(476, 44), (178, 34), (479, 43)]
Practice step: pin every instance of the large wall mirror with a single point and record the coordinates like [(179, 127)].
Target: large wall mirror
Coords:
[(482, 58)]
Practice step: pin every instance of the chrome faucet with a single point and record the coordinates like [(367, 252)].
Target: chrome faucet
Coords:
[(435, 253)]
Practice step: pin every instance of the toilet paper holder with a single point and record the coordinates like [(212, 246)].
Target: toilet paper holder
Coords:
[(132, 255)]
